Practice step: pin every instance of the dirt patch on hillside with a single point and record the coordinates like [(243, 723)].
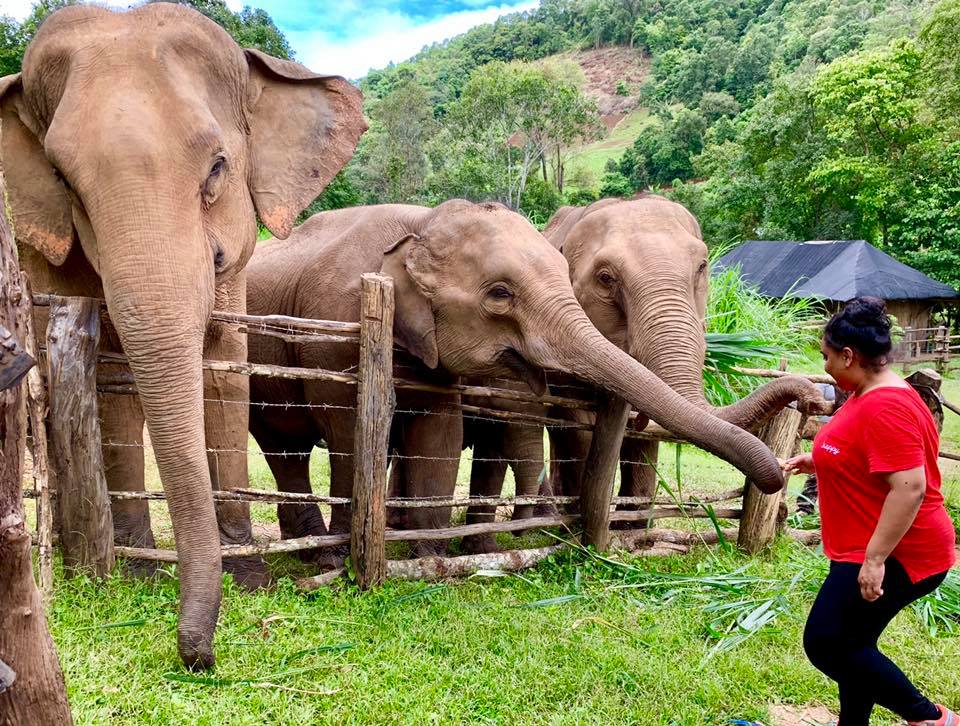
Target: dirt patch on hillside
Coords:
[(604, 68)]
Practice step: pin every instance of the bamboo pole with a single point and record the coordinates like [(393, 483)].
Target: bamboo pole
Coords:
[(597, 485), (375, 403), (37, 408), (232, 551), (761, 512), (694, 512), (765, 373), (85, 519)]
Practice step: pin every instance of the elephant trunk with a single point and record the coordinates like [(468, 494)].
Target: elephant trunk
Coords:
[(577, 347), (160, 305), (667, 338), (670, 341)]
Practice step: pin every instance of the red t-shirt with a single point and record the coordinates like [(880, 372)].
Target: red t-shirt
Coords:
[(885, 430)]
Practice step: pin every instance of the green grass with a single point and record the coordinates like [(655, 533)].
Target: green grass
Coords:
[(593, 158), (576, 640)]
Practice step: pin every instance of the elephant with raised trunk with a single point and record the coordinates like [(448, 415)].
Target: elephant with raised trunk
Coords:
[(139, 148), (639, 270), (479, 292)]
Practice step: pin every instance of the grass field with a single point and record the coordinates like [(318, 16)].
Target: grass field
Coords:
[(577, 640), (593, 157)]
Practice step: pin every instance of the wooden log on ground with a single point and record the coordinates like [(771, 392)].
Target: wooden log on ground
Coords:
[(37, 408), (375, 403), (321, 580), (32, 691), (761, 512), (442, 568), (596, 488), (85, 520), (948, 455)]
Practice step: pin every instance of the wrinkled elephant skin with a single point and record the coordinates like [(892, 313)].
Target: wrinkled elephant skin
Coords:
[(479, 292), (138, 149)]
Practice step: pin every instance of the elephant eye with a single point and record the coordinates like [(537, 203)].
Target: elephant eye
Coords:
[(218, 167), (500, 292), (606, 278), (702, 268)]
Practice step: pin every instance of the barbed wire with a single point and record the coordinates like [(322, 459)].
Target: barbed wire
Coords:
[(391, 456)]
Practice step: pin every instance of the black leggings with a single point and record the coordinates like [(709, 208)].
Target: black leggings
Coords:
[(841, 641)]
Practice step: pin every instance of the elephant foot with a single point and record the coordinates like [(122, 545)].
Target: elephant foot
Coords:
[(480, 544), (250, 572), (195, 646), (396, 518), (546, 510), (142, 537), (300, 520)]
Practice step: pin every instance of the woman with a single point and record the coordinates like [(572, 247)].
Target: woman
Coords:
[(885, 529)]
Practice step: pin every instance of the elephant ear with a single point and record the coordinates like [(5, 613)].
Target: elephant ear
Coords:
[(409, 263), (39, 203), (304, 128)]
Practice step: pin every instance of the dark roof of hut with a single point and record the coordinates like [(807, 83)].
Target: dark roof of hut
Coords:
[(830, 270)]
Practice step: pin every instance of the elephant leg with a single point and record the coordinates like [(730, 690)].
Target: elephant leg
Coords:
[(523, 446), (396, 517), (226, 412), (569, 449), (289, 462), (638, 474), (439, 440), (340, 445), (121, 429), (486, 480)]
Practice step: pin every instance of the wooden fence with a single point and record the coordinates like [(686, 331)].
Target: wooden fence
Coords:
[(82, 502), (927, 344)]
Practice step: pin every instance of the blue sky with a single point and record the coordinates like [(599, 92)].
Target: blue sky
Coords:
[(348, 37)]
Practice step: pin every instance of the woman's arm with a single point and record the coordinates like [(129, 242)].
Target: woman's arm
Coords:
[(900, 508)]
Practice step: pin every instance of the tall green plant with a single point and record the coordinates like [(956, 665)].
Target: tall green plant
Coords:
[(744, 328)]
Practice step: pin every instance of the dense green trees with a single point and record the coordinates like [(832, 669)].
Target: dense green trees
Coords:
[(251, 28)]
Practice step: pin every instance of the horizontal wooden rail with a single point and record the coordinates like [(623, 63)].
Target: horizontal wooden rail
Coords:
[(275, 497), (764, 373)]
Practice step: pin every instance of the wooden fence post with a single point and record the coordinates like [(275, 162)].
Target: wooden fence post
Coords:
[(31, 682), (943, 349), (375, 404), (761, 512), (600, 469), (85, 520), (37, 409)]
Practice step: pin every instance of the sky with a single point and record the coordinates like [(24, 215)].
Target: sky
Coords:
[(349, 37)]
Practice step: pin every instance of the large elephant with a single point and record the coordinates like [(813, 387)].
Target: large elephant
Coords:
[(479, 292), (139, 148), (639, 269)]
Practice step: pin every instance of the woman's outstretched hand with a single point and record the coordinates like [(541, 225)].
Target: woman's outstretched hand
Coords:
[(799, 464)]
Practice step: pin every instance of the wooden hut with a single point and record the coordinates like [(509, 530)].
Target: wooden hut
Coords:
[(835, 271)]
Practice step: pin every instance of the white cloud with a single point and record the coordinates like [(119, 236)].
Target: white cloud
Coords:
[(392, 37)]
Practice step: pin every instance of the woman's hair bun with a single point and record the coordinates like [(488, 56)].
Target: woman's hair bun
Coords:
[(864, 326)]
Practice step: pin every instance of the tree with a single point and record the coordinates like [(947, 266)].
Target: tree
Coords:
[(510, 115), (393, 159), (941, 49)]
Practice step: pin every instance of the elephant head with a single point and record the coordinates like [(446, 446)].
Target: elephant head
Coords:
[(639, 268), (152, 141), (482, 293)]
